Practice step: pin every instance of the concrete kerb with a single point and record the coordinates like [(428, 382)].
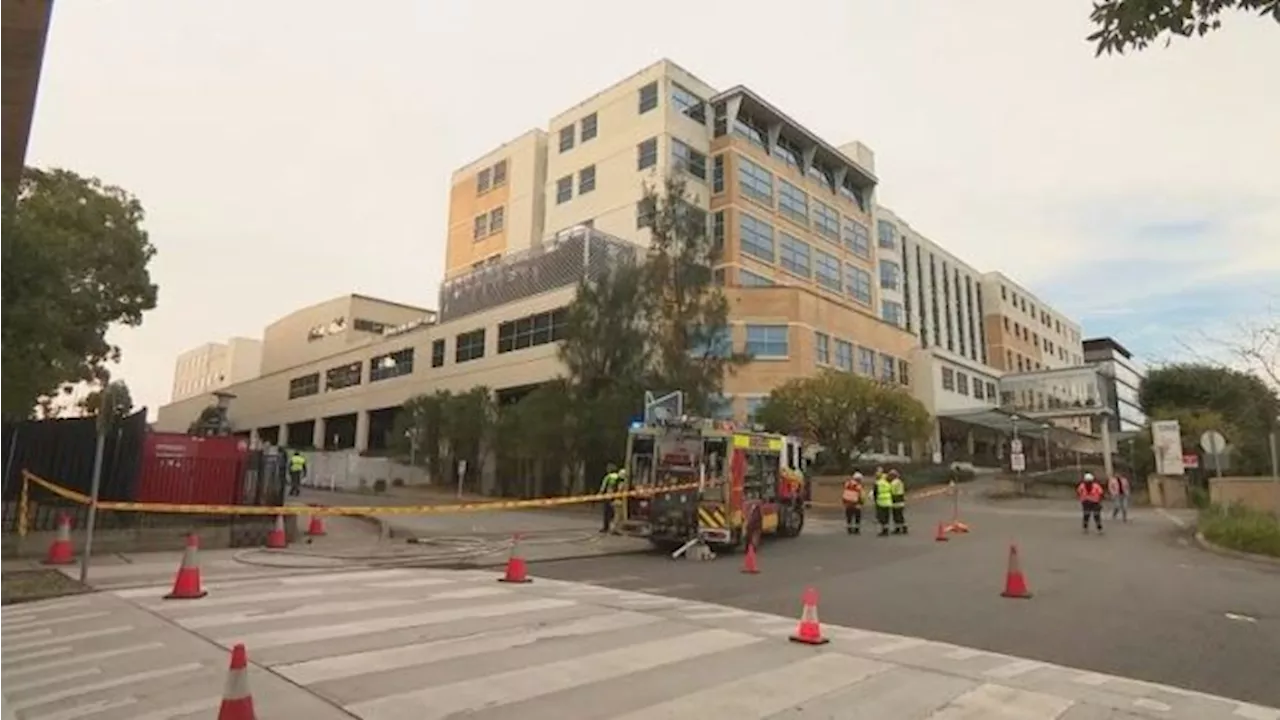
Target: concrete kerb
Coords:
[(1207, 545)]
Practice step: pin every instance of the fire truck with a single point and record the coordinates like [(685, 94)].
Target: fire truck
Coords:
[(750, 483)]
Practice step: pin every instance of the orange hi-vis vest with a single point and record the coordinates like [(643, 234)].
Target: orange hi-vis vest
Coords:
[(1089, 491), (852, 494)]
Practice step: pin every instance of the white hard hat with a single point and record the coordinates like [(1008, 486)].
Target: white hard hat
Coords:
[(857, 476), (1088, 476)]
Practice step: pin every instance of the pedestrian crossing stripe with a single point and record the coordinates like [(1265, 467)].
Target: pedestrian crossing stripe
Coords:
[(469, 646), (711, 516)]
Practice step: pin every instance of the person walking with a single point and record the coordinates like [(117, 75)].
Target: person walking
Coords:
[(1090, 493), (852, 498), (297, 471), (884, 503), (610, 484), (898, 497), (1118, 489)]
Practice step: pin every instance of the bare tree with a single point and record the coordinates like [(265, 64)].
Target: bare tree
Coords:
[(1252, 346)]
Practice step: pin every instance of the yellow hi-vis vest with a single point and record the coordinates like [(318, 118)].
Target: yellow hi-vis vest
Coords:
[(297, 462), (884, 493), (898, 492)]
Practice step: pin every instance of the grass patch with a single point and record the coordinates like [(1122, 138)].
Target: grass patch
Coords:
[(1241, 528), (21, 586)]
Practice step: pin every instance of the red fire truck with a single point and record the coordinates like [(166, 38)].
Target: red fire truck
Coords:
[(751, 483)]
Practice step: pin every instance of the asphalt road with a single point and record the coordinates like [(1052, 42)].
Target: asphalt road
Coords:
[(1139, 601)]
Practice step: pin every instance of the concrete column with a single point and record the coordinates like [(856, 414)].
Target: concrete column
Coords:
[(935, 443), (317, 434), (1107, 467), (282, 436), (969, 443), (362, 430)]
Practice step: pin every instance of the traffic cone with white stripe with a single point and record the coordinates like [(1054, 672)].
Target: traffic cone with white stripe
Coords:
[(316, 527), (60, 550), (237, 700), (517, 571), (276, 538), (186, 584), (809, 631)]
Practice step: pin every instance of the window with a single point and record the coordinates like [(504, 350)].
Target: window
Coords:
[(767, 341), (437, 353), (396, 364), (826, 221), (890, 275), (787, 151), (532, 330), (497, 219), (793, 203), (755, 182), (851, 193), (755, 237), (948, 379), (646, 210), (793, 255), (744, 126), (590, 127), (857, 238), (888, 368), (689, 160), (468, 346), (481, 228), (858, 284), (822, 348), (567, 137), (499, 173), (753, 406), (717, 174), (904, 372), (991, 391), (746, 278), (586, 179), (717, 233), (892, 313), (827, 270), (648, 97), (647, 154), (564, 189), (844, 355), (484, 180), (867, 362), (822, 175), (343, 376), (962, 383), (888, 234), (977, 389), (687, 103), (304, 386)]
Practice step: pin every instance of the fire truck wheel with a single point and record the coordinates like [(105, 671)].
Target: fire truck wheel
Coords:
[(790, 522)]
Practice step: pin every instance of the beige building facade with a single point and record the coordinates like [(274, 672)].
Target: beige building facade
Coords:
[(816, 275), (215, 366)]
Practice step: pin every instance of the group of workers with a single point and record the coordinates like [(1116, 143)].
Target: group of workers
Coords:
[(1091, 493), (889, 493)]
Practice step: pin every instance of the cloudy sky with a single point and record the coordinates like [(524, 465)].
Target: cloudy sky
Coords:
[(294, 150)]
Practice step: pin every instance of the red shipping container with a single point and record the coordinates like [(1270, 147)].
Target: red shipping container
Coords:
[(191, 470)]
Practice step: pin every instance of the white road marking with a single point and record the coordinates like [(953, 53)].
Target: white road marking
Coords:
[(767, 693), (412, 583), (249, 599), (897, 645), (964, 654), (104, 685), (17, 638), (1250, 711), (63, 620), (15, 687), (1172, 518), (1241, 618), (515, 686), (362, 663), (253, 616), (347, 577), (16, 659), (94, 708), (187, 708), (42, 607), (69, 638), (1149, 704), (11, 671), (991, 702)]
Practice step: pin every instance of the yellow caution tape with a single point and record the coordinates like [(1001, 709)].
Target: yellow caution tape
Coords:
[(488, 506)]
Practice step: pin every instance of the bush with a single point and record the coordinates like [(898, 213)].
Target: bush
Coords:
[(1198, 497), (1242, 528)]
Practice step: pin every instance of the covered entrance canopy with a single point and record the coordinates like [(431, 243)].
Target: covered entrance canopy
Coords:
[(999, 420)]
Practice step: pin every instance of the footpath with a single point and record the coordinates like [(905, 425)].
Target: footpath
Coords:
[(428, 644)]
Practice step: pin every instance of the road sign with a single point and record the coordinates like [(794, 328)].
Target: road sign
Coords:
[(1018, 462), (1015, 446), (1190, 460), (1213, 442)]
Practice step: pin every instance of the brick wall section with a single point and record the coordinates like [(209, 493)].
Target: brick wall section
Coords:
[(1261, 493)]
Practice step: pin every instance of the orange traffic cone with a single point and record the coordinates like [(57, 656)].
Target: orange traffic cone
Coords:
[(276, 539), (941, 535), (809, 632), (316, 527), (237, 700), (60, 550), (517, 571), (749, 566), (1015, 583), (186, 584)]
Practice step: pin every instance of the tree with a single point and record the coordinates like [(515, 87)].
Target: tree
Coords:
[(535, 438), (74, 262), (114, 397), (689, 314), (1134, 24), (844, 413), (211, 421), (1201, 395), (419, 429), (469, 420)]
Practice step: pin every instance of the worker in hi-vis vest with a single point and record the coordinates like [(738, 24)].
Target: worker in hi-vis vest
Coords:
[(884, 503), (297, 471), (611, 483), (852, 498), (898, 496)]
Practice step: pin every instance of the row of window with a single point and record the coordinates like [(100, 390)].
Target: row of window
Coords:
[(757, 184), (756, 239), (961, 383), (590, 128), (490, 223), (586, 183), (886, 234), (382, 367), (844, 355), (494, 176), (789, 152), (950, 305), (1041, 343), (1040, 314)]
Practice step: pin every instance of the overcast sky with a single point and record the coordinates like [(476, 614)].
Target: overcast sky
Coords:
[(290, 151)]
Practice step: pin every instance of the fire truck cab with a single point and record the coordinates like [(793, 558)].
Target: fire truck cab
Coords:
[(750, 483)]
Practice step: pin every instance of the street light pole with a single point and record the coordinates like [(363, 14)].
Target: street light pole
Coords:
[(94, 489)]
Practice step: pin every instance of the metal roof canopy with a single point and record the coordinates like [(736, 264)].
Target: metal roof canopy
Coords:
[(997, 419)]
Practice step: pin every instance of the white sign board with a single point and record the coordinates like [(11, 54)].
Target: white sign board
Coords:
[(1166, 443), (1015, 446), (1212, 442), (1018, 462)]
